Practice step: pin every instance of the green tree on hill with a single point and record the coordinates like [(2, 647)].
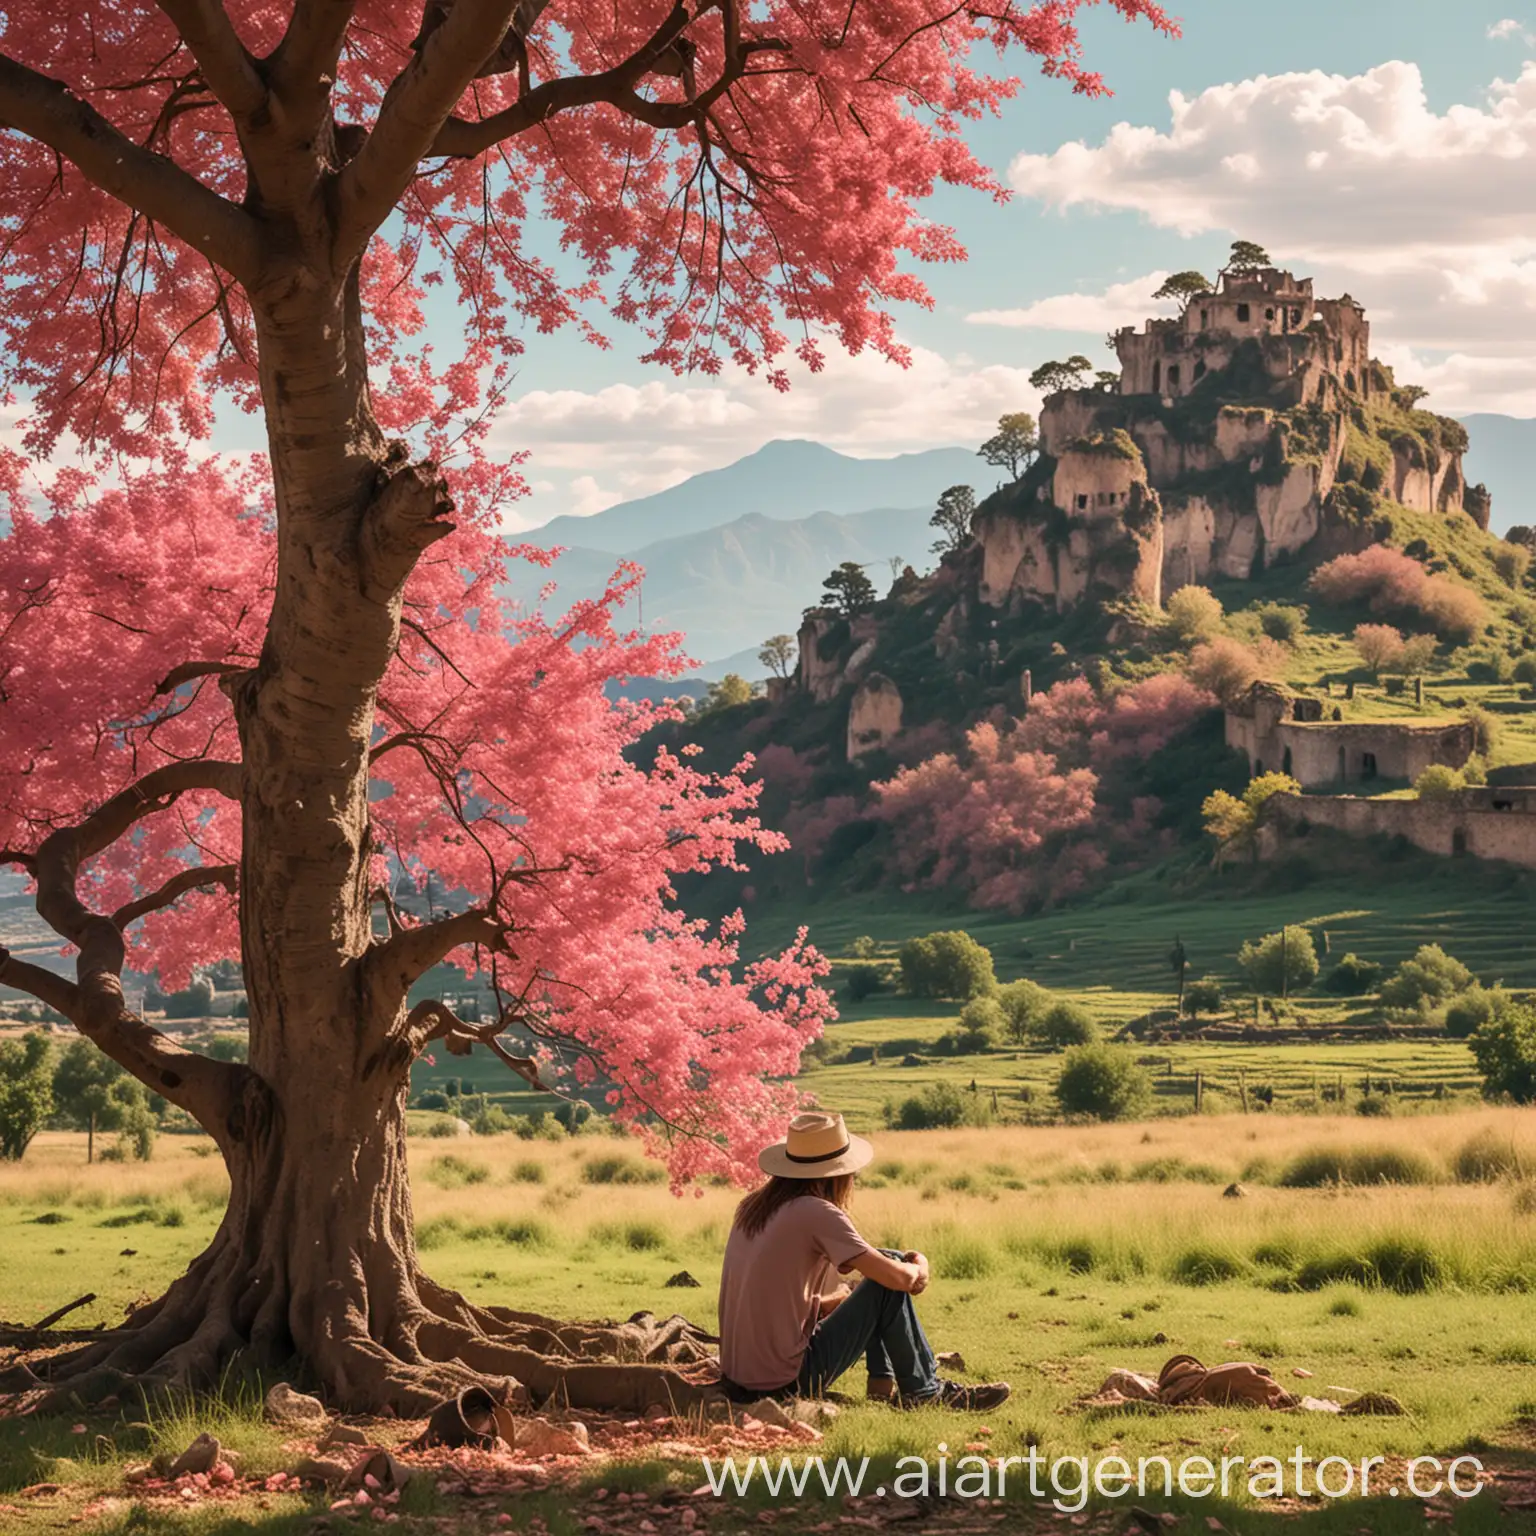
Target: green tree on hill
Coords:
[(26, 1091), (1184, 286), (953, 519), (778, 654), (1246, 256), (93, 1093), (849, 590), (1014, 445), (1280, 963), (947, 964), (1505, 1051), (1053, 377), (1234, 821)]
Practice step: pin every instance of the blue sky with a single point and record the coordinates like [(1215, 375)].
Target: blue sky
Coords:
[(1385, 147)]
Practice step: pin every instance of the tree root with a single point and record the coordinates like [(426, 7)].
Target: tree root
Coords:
[(432, 1345)]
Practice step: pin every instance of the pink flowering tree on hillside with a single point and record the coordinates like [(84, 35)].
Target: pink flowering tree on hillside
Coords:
[(237, 699)]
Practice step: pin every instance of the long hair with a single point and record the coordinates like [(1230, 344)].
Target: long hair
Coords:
[(753, 1214)]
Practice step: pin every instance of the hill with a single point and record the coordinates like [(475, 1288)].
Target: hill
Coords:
[(784, 481), (727, 588)]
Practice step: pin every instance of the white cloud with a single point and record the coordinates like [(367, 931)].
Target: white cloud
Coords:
[(1502, 31), (1120, 304), (1428, 218), (631, 440)]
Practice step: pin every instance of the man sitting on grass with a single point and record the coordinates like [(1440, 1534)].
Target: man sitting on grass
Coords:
[(783, 1331)]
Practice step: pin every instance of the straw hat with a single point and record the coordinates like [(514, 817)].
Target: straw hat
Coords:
[(818, 1147)]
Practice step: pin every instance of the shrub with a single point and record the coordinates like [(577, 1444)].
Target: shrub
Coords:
[(1283, 962), (1103, 1081), (1322, 1166), (1228, 668), (1512, 562), (863, 982), (947, 964), (982, 1022), (962, 1258), (637, 1236), (194, 1002), (1284, 622), (863, 948), (1202, 1265), (1486, 1158), (1392, 582), (940, 1106), (453, 1172), (1233, 821), (1193, 614), (1203, 996), (1525, 669), (528, 1172), (1486, 730), (1351, 976), (1067, 1023), (1380, 647), (1430, 978), (1468, 1011), (1438, 783), (1505, 1051), (1024, 1004), (614, 1168), (491, 1120)]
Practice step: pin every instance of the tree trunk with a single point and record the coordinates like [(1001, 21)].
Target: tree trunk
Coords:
[(315, 1258)]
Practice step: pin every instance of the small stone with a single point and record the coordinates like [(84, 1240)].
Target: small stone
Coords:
[(769, 1410), (1298, 1371), (951, 1360), (343, 1434), (538, 1437), (1234, 1192), (201, 1456), (285, 1406)]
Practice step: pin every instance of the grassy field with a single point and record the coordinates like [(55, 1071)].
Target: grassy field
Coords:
[(1055, 1261)]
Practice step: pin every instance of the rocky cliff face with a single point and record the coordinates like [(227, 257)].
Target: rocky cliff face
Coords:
[(1243, 417), (1094, 526)]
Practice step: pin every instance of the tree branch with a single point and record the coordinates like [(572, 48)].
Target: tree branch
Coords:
[(227, 68), (415, 107), (47, 986), (394, 964), (304, 63), (188, 671), (435, 1020), (207, 1090), (461, 138), (43, 109), (175, 888)]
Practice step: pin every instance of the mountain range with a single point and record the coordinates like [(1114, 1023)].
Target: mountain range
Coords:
[(735, 554)]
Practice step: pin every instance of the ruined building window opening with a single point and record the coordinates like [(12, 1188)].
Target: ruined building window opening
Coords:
[(1349, 381), (1243, 313), (1157, 378), (1367, 765), (1295, 317), (1200, 369), (1343, 766), (1258, 767), (1173, 375), (1458, 842), (1285, 763), (1269, 314), (1205, 318), (1082, 501)]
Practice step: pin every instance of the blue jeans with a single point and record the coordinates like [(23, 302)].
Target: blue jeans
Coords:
[(882, 1326)]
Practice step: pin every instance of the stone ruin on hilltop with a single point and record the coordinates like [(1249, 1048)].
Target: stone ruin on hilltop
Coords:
[(1237, 435)]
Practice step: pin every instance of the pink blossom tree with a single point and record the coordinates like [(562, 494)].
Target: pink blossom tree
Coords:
[(238, 699)]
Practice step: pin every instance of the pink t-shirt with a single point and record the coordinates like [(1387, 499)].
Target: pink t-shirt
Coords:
[(771, 1287)]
